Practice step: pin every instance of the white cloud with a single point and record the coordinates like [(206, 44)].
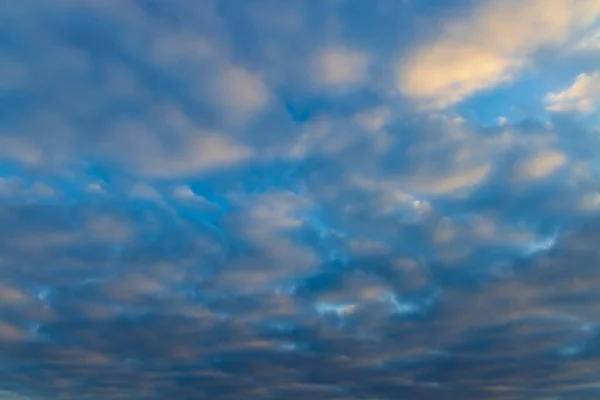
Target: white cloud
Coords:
[(582, 96), (390, 197), (339, 66), (242, 93), (95, 188), (455, 181), (488, 47), (463, 179), (194, 152), (541, 164), (279, 210), (185, 193), (144, 191), (212, 150)]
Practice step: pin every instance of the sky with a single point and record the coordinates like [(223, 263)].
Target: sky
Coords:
[(322, 199)]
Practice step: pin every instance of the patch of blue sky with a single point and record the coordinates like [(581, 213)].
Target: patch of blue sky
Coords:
[(522, 98), (9, 170), (508, 104)]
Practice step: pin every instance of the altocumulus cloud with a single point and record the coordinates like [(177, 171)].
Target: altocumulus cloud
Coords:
[(278, 200)]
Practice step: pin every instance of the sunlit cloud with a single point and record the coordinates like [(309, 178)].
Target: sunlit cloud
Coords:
[(489, 46), (582, 96)]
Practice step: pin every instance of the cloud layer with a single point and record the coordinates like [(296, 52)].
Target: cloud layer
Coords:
[(287, 201)]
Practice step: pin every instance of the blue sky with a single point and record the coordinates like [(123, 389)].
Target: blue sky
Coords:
[(333, 199)]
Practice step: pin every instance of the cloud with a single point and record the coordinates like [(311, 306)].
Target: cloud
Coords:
[(267, 224), (106, 227), (11, 295), (375, 119), (184, 192), (458, 180), (196, 152), (13, 187), (43, 190), (488, 47), (224, 200), (242, 92), (145, 192), (582, 96), (541, 165), (95, 188), (339, 66), (109, 317)]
